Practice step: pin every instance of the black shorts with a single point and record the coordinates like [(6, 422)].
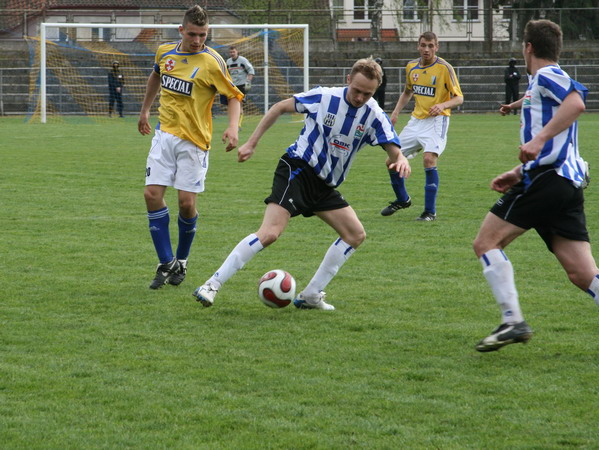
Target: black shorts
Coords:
[(225, 101), (299, 190), (551, 205)]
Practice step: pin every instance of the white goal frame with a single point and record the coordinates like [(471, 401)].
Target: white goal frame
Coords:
[(265, 27)]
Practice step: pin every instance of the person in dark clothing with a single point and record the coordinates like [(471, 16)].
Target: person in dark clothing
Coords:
[(512, 80), (379, 95), (116, 81)]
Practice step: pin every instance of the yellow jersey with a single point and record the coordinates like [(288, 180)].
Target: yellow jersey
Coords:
[(189, 83), (433, 84)]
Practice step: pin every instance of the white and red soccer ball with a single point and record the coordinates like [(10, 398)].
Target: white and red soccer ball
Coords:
[(276, 288)]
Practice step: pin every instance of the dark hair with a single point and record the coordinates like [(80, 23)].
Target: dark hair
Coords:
[(369, 68), (232, 47), (196, 15), (429, 36), (545, 37)]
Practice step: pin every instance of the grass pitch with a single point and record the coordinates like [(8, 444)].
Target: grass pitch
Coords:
[(91, 358)]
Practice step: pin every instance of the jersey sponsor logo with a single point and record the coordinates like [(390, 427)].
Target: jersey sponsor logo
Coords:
[(427, 91), (176, 85), (169, 64), (359, 132), (329, 119), (339, 144)]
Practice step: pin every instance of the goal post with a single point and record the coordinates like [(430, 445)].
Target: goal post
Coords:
[(279, 53)]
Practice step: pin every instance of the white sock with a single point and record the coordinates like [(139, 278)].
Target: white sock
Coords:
[(335, 257), (241, 254), (593, 289), (499, 272)]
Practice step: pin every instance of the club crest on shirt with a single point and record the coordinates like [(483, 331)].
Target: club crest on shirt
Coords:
[(169, 64), (415, 77), (329, 120), (359, 132)]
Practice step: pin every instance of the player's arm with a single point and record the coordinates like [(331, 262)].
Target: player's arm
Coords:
[(152, 88), (278, 109), (506, 109), (396, 160), (453, 102), (403, 100), (566, 115), (505, 181), (231, 134)]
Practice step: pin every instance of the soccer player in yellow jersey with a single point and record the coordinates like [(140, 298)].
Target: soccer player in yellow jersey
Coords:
[(436, 90), (188, 74)]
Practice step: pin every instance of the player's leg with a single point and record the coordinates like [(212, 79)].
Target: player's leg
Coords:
[(351, 234), (158, 221), (160, 169), (186, 223), (274, 223), (578, 262), (494, 235), (431, 186), (433, 138), (409, 147), (111, 100)]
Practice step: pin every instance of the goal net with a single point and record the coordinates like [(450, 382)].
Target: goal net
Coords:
[(71, 63)]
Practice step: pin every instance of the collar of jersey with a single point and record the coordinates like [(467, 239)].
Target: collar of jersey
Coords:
[(426, 67), (179, 52)]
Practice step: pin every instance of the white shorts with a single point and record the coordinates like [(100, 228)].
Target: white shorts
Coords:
[(176, 162), (428, 134)]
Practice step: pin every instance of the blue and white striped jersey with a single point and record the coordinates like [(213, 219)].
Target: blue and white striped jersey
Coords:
[(545, 93), (334, 131)]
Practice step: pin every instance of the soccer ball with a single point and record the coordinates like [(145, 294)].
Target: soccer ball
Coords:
[(276, 288)]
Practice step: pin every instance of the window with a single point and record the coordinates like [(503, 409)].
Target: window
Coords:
[(465, 10), (360, 9), (409, 10)]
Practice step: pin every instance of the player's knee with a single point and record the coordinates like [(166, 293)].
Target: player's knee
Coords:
[(356, 238), (267, 237), (579, 279)]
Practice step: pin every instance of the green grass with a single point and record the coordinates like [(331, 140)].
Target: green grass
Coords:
[(91, 358)]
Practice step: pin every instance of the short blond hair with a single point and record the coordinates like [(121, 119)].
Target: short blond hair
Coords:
[(369, 68)]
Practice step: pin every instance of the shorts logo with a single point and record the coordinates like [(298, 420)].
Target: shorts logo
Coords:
[(499, 202), (359, 132), (427, 91), (176, 85), (169, 64), (329, 120)]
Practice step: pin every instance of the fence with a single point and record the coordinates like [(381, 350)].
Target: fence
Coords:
[(483, 87)]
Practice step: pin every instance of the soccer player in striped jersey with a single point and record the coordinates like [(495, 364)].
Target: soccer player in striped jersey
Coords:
[(339, 122), (434, 85), (545, 192), (188, 74)]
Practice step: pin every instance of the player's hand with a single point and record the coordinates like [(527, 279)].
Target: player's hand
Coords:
[(394, 118), (245, 152), (505, 181), (529, 151), (401, 166), (436, 110), (231, 138), (505, 109), (143, 125)]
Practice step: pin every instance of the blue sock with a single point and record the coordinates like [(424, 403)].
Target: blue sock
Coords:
[(159, 221), (187, 231), (430, 189), (399, 186)]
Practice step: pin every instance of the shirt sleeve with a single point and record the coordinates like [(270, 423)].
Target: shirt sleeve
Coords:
[(558, 86), (308, 102)]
